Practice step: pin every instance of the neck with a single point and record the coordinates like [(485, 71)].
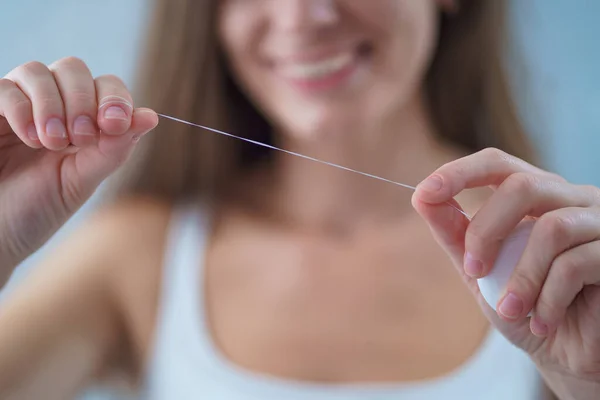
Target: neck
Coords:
[(402, 149)]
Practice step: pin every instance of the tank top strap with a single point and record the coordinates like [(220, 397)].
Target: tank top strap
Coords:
[(181, 310), (185, 248)]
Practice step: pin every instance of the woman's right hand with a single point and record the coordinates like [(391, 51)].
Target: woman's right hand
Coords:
[(62, 132)]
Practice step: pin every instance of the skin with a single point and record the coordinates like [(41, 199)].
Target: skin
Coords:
[(89, 312), (39, 107), (557, 277)]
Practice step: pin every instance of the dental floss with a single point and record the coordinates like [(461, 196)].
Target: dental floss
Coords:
[(492, 286), (302, 156), (288, 152)]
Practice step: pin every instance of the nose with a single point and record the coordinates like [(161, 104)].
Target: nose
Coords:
[(298, 15)]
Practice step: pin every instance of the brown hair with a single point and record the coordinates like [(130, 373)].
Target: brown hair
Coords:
[(184, 74)]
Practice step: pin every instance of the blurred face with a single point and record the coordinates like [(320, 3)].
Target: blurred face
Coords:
[(319, 66)]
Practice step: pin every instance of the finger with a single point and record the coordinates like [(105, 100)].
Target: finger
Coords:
[(115, 106), (520, 195), (488, 167), (16, 108), (447, 226), (144, 120), (92, 164), (113, 151), (570, 272), (76, 86), (37, 82), (554, 233)]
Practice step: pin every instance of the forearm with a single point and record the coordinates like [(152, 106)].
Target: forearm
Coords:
[(58, 331)]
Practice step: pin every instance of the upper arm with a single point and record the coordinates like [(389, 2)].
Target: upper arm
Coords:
[(61, 327)]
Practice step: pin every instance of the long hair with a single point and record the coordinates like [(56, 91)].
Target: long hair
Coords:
[(183, 73)]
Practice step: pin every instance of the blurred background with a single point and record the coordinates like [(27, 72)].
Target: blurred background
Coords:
[(555, 59)]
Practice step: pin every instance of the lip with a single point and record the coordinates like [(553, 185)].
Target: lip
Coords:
[(319, 71), (317, 54), (327, 82)]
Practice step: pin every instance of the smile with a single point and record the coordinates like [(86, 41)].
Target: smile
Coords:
[(321, 74)]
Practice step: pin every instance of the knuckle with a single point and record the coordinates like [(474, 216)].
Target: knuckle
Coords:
[(555, 228), (556, 177), (547, 309), (33, 68), (526, 281), (475, 232), (113, 80), (111, 88), (568, 270), (13, 101), (71, 62), (593, 192), (475, 237), (457, 172), (494, 154), (80, 98), (521, 183), (478, 238), (11, 93), (491, 152), (21, 106), (7, 85), (47, 104)]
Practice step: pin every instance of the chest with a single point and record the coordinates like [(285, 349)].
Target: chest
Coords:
[(382, 308)]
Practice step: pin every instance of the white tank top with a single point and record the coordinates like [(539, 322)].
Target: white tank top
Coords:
[(186, 364)]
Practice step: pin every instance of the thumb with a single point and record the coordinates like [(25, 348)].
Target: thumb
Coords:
[(92, 165)]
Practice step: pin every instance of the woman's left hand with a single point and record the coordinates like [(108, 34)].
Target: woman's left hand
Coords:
[(558, 275)]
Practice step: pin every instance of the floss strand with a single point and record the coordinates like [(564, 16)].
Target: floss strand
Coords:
[(257, 143)]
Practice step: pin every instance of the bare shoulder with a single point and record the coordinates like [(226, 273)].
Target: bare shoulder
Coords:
[(124, 231), (128, 236), (118, 242)]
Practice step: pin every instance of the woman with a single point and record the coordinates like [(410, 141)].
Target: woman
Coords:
[(222, 271)]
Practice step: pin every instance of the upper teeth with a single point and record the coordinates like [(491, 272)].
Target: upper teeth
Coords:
[(318, 69)]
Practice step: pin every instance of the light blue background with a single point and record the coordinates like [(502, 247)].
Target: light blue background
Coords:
[(560, 90), (557, 80)]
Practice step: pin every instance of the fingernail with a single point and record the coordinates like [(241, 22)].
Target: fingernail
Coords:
[(114, 112), (84, 126), (473, 268), (538, 328), (511, 307), (55, 128), (432, 184), (32, 132)]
